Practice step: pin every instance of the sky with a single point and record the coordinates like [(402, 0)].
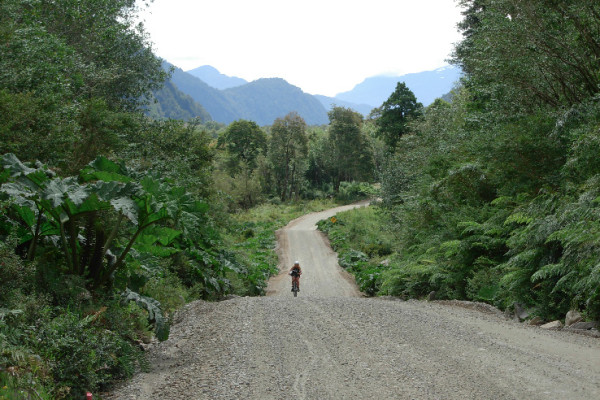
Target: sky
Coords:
[(322, 46)]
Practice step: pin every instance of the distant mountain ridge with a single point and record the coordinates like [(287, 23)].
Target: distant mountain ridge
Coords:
[(330, 102), (427, 86), (261, 101), (225, 99), (214, 78)]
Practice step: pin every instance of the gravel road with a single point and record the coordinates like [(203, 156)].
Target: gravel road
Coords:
[(330, 343)]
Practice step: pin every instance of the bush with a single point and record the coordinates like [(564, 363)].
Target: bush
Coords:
[(16, 275), (83, 355), (352, 191), (168, 290)]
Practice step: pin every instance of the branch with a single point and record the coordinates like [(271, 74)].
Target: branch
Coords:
[(63, 240), (36, 234), (121, 258), (112, 235)]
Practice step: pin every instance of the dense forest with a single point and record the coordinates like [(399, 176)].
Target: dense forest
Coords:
[(495, 196), (110, 220)]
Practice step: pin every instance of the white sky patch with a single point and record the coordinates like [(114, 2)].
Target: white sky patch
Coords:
[(324, 47)]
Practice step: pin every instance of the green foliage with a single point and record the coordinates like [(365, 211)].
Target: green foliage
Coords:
[(493, 195), (171, 103), (83, 355), (363, 244), (395, 114), (177, 151), (530, 54), (354, 191), (68, 104), (244, 142), (155, 314), (288, 149), (351, 158)]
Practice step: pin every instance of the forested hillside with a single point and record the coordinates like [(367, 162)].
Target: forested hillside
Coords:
[(495, 197), (216, 79), (170, 102)]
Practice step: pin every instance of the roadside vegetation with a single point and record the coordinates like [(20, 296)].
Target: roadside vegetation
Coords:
[(495, 195)]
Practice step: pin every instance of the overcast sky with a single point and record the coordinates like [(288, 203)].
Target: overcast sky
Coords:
[(322, 46)]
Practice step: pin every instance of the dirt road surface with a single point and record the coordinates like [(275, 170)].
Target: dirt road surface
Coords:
[(301, 241), (330, 343)]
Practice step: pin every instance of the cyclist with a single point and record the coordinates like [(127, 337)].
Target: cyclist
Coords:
[(295, 272)]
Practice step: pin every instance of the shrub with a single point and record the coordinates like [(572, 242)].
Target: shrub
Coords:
[(352, 191), (83, 355)]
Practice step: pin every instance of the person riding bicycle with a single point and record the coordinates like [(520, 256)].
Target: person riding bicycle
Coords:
[(295, 272)]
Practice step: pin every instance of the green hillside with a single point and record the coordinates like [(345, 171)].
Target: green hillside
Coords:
[(170, 102), (264, 100), (261, 101)]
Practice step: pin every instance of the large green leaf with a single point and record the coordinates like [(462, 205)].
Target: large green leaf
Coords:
[(127, 207), (120, 196), (155, 315), (105, 170), (58, 190), (15, 166), (19, 192), (163, 234), (27, 214)]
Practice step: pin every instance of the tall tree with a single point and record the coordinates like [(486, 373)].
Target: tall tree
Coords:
[(244, 142), (394, 115), (287, 152), (351, 156)]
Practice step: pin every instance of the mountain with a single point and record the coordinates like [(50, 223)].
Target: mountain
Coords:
[(227, 99), (214, 78), (330, 102), (427, 86), (220, 107), (261, 101), (266, 99), (170, 102)]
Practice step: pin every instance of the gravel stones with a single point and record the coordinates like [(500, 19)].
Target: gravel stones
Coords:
[(353, 348)]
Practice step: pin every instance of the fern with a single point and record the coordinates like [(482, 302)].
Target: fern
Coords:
[(548, 271), (518, 218), (4, 312), (451, 247)]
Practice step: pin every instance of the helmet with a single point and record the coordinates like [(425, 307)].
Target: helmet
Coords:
[(296, 262)]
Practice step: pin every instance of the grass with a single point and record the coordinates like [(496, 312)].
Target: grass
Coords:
[(363, 247)]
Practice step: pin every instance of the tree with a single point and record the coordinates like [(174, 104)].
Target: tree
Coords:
[(244, 141), (75, 63), (318, 172), (531, 54), (351, 156), (288, 149), (394, 115)]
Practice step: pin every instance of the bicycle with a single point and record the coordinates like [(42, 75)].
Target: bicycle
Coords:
[(295, 284)]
